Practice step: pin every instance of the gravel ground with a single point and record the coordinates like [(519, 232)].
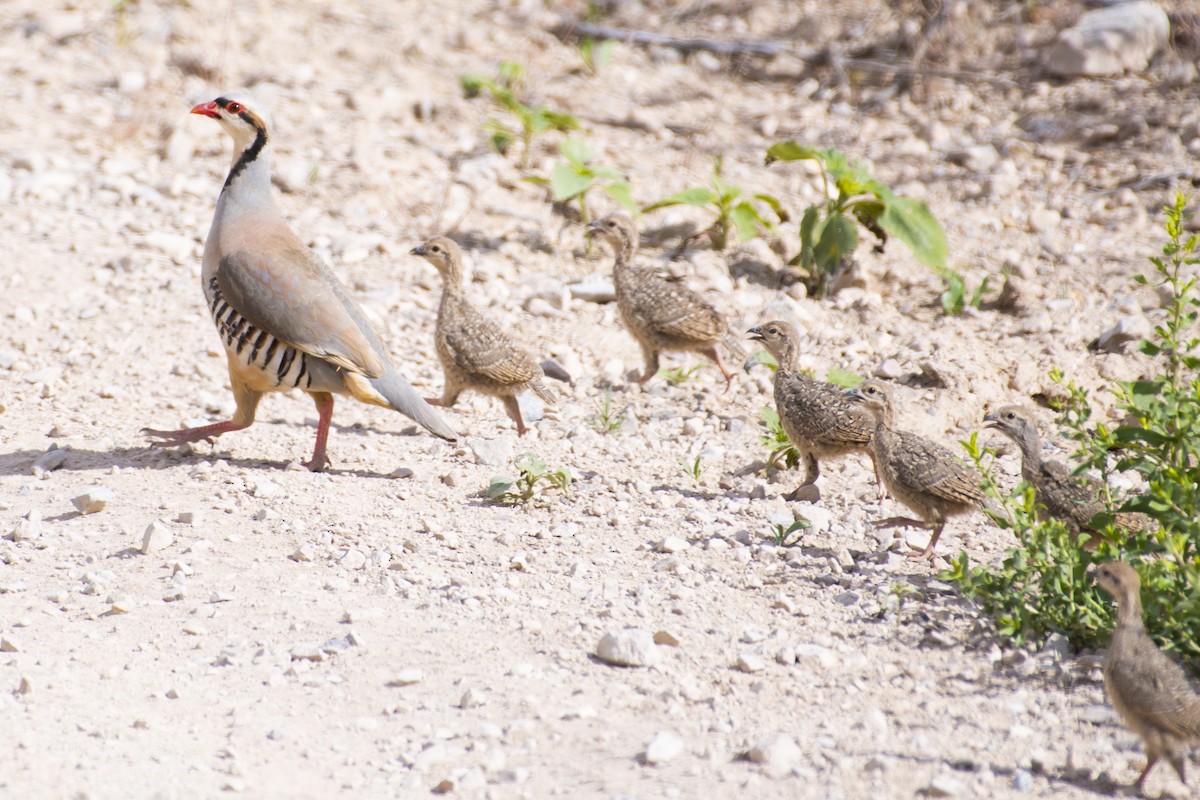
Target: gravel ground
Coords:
[(226, 623)]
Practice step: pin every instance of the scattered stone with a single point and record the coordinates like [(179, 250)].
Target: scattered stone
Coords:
[(1131, 328), (631, 647), (7, 645), (672, 544), (943, 785), (156, 537), (407, 677), (93, 500), (777, 754), (402, 472), (189, 517), (48, 461), (595, 289), (304, 553), (120, 604), (1110, 41), (666, 638), (976, 157), (664, 747), (490, 452), (24, 687), (28, 527), (751, 663), (1044, 220), (889, 369), (353, 559)]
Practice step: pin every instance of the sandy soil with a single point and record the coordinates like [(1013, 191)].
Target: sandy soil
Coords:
[(302, 635)]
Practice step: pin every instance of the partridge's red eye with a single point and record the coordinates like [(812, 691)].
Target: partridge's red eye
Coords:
[(233, 108)]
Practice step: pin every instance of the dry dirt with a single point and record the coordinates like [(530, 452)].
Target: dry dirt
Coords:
[(350, 632)]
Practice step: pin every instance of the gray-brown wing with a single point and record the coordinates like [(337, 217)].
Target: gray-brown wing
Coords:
[(931, 468), (482, 348), (288, 293), (674, 310), (1154, 687), (819, 411)]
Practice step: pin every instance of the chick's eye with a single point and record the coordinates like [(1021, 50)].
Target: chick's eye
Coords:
[(234, 108), (436, 249)]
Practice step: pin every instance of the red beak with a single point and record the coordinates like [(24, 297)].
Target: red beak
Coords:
[(208, 109)]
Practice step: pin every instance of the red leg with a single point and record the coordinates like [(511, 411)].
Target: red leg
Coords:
[(927, 553), (324, 402), (247, 402), (715, 355), (514, 411)]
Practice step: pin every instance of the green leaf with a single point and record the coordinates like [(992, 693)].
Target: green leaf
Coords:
[(623, 194), (699, 196), (567, 183), (844, 378), (575, 150), (560, 120), (913, 223), (792, 151), (838, 239), (774, 204), (499, 486), (745, 219), (764, 358)]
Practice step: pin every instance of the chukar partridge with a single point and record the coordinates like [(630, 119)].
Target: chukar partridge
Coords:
[(284, 318), (663, 316), (921, 474), (1074, 500), (817, 416), (1148, 689), (475, 352)]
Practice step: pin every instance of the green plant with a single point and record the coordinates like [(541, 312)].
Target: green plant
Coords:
[(1042, 585), (954, 294), (677, 376), (735, 211), (607, 419), (693, 467), (781, 532), (776, 440), (844, 378), (596, 53), (572, 178), (531, 120), (828, 233), (531, 471)]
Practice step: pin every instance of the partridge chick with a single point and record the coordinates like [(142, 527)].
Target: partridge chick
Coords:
[(817, 417), (919, 473), (663, 316), (475, 352), (1149, 690), (285, 320), (1070, 499)]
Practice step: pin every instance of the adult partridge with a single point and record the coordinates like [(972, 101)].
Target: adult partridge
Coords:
[(662, 315), (1149, 690), (921, 474), (817, 417), (1074, 500), (475, 352), (284, 318)]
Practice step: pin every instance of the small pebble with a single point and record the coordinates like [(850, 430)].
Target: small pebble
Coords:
[(92, 500)]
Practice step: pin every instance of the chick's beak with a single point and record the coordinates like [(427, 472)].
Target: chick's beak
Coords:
[(756, 333), (419, 250), (991, 421), (208, 109)]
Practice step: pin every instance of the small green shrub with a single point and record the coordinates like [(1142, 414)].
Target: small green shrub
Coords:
[(531, 472), (736, 211), (1042, 585), (572, 179), (775, 439), (531, 120), (677, 376), (694, 467), (607, 418), (955, 298), (828, 233), (780, 533)]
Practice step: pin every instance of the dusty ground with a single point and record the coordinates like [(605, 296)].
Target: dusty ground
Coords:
[(263, 650)]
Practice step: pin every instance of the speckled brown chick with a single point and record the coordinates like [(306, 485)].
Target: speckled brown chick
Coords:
[(921, 474), (662, 315), (1148, 690), (1074, 500), (818, 417), (475, 352)]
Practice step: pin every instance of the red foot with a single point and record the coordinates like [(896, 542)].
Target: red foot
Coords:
[(189, 435)]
